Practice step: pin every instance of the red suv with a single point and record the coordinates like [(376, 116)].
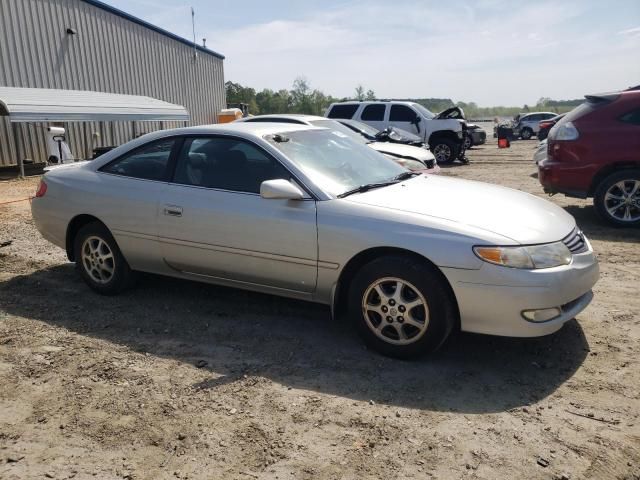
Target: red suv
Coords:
[(594, 151)]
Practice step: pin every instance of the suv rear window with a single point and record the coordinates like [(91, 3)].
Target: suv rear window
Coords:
[(342, 111), (632, 117), (373, 112)]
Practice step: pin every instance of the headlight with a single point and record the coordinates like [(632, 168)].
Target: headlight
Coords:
[(459, 134), (531, 257)]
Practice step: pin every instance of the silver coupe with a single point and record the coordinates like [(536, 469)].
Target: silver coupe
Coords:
[(306, 212)]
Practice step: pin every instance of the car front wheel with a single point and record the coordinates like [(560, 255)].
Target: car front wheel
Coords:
[(444, 150), (526, 133), (99, 260), (617, 198), (401, 307)]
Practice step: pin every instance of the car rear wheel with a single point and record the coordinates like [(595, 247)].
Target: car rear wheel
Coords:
[(401, 307), (526, 133), (444, 150), (617, 198), (99, 260)]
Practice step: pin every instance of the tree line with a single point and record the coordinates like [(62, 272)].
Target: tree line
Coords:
[(301, 98)]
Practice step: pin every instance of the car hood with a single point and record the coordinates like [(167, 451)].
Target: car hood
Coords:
[(401, 150), (521, 217)]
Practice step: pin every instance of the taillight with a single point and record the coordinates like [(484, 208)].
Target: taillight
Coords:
[(42, 189), (564, 132)]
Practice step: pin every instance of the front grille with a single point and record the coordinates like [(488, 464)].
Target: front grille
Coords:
[(575, 241)]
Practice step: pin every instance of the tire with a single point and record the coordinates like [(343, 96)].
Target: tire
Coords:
[(99, 260), (444, 150), (542, 134), (617, 198), (468, 142), (526, 133), (424, 326)]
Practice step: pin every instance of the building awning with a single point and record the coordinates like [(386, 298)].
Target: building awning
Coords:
[(48, 105)]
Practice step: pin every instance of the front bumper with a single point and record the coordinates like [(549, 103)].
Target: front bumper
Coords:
[(491, 300), (478, 137)]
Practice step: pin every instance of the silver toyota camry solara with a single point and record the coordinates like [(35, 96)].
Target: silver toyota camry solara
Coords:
[(306, 212)]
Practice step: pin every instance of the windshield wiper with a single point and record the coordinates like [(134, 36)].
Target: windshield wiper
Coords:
[(369, 186), (366, 187), (405, 176)]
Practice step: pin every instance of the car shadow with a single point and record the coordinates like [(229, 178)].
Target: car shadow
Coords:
[(597, 229), (296, 343)]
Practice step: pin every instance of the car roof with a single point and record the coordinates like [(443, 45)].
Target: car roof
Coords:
[(257, 129), (287, 116), (366, 102)]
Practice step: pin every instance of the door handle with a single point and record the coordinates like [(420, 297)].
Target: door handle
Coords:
[(173, 210)]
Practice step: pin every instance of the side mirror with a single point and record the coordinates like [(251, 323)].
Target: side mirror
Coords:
[(280, 189)]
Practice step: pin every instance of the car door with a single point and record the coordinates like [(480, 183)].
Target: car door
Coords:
[(374, 114), (125, 197), (215, 223), (404, 117)]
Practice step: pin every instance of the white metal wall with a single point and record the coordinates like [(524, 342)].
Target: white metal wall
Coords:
[(108, 53)]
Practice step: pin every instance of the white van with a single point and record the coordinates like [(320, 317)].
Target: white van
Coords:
[(445, 137)]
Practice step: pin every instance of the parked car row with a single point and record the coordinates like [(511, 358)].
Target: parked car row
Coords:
[(594, 152)]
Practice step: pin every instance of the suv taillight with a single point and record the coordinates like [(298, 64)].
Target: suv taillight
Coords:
[(564, 132), (42, 189)]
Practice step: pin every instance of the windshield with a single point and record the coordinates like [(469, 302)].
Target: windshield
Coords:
[(334, 161), (424, 111), (338, 127)]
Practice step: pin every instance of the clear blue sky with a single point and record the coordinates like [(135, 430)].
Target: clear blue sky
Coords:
[(493, 52)]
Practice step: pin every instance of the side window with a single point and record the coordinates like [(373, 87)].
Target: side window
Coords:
[(343, 111), (401, 113), (374, 112), (227, 164), (632, 117), (148, 162)]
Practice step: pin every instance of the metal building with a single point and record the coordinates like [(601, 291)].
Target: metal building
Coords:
[(89, 45)]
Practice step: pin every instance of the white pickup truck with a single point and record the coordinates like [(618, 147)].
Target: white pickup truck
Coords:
[(445, 137)]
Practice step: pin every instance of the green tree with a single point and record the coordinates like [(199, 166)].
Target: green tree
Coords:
[(360, 95), (371, 95)]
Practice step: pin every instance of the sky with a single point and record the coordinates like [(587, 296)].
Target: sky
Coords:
[(492, 52)]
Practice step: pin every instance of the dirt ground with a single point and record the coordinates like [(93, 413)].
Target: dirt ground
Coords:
[(176, 379)]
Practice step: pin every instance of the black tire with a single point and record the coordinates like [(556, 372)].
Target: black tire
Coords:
[(427, 282), (445, 150), (526, 133), (604, 204), (542, 134), (98, 263), (468, 142)]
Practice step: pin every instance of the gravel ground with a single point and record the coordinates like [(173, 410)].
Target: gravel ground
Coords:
[(176, 379)]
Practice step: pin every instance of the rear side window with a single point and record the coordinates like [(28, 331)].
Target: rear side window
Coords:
[(402, 113), (632, 117), (148, 162), (373, 112), (343, 111), (227, 164)]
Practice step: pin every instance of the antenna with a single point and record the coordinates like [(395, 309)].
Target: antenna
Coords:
[(193, 24)]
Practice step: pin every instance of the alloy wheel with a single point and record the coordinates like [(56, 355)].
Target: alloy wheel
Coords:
[(622, 200), (442, 152), (98, 260), (395, 311)]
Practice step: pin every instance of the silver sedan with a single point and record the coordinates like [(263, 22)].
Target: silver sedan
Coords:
[(308, 213)]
